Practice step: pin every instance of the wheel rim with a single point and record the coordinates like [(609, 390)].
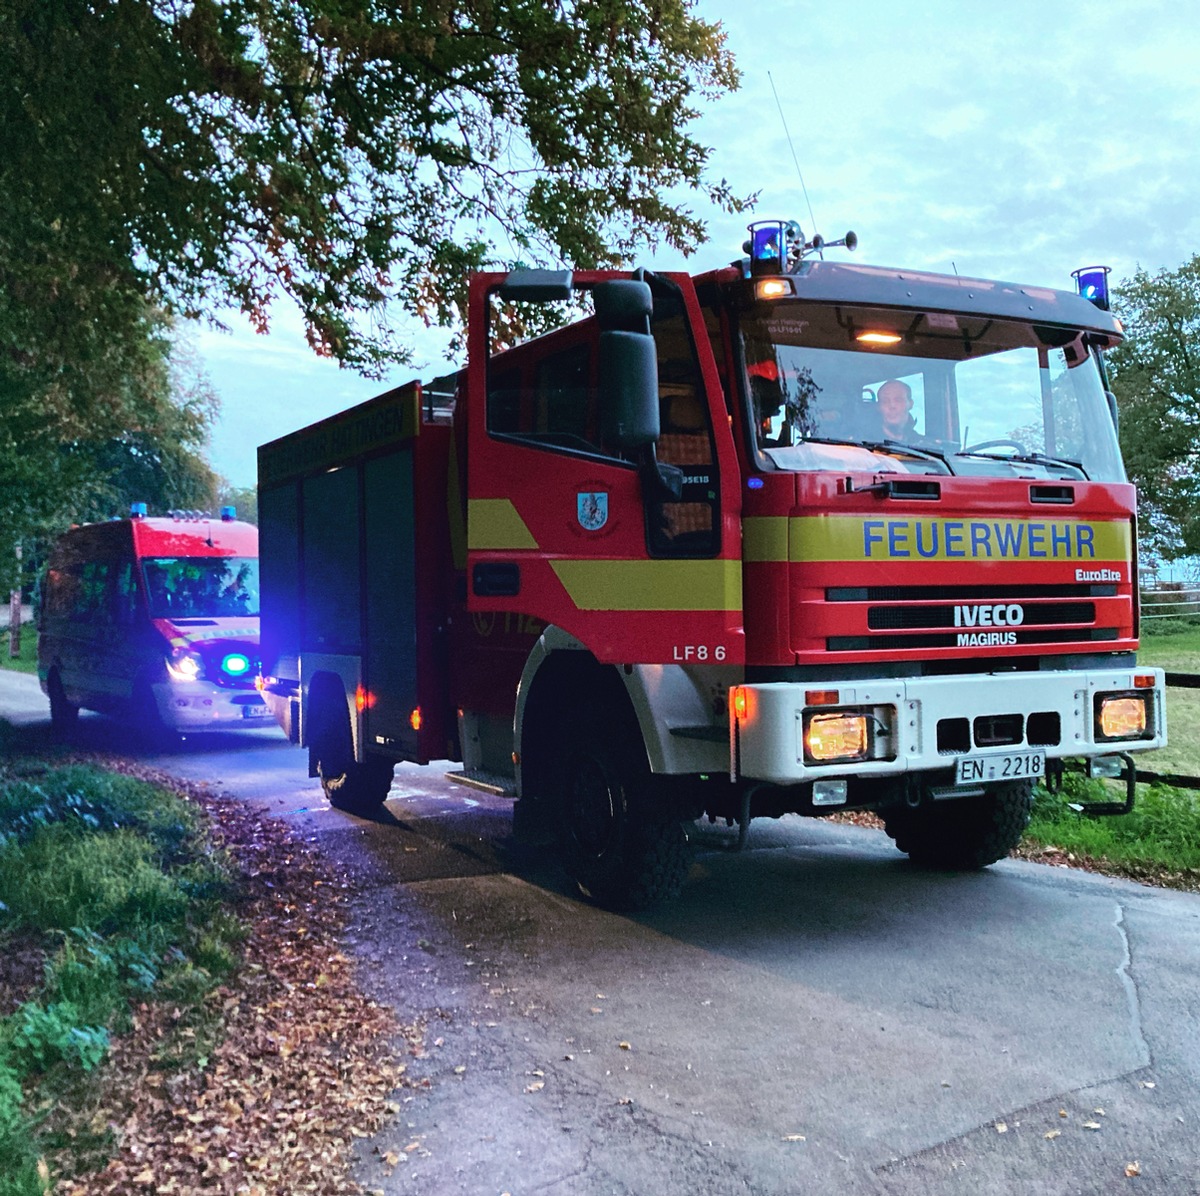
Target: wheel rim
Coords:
[(594, 809)]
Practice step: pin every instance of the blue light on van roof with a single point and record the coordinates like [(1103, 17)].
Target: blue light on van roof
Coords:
[(137, 510), (228, 514)]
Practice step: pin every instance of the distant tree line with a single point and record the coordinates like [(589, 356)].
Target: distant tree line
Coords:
[(1155, 375)]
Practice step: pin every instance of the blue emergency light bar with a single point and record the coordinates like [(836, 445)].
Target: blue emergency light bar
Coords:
[(137, 510), (1092, 283), (228, 514), (767, 247)]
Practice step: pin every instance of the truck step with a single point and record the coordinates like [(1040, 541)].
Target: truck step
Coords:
[(487, 782), (706, 732)]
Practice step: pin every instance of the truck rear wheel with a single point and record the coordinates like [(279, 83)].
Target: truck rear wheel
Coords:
[(622, 849), (965, 833), (348, 785)]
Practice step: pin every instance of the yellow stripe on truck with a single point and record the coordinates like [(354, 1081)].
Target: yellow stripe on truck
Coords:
[(901, 538), (652, 585), (494, 523)]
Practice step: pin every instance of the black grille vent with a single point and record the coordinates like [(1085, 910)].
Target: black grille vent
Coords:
[(896, 618), (965, 593), (870, 643)]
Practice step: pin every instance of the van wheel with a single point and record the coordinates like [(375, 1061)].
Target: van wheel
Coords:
[(966, 833), (153, 734), (63, 714), (348, 785), (623, 850)]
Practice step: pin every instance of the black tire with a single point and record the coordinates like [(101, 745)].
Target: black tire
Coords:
[(64, 715), (624, 850), (348, 785), (152, 733), (966, 833)]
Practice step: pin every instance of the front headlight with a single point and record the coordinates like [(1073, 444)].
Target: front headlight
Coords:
[(841, 736), (184, 665), (1122, 716)]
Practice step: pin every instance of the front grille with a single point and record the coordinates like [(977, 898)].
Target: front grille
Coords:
[(1016, 593), (895, 618), (865, 643)]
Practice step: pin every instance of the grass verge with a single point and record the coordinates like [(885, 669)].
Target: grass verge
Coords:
[(175, 1012), (26, 661), (1157, 843), (115, 886)]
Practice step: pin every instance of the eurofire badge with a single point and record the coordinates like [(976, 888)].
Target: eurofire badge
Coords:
[(591, 509)]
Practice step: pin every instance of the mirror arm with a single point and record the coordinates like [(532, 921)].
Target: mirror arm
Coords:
[(660, 481)]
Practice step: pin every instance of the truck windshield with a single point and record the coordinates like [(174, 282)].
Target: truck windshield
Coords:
[(837, 387), (201, 587)]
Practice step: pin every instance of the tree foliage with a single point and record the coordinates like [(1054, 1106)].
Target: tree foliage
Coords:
[(1156, 377), (341, 152), (83, 443)]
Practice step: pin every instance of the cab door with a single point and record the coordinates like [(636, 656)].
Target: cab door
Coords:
[(633, 549)]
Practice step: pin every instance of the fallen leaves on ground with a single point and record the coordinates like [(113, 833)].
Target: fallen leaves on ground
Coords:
[(305, 1062)]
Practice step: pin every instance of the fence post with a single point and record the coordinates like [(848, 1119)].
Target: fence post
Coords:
[(14, 614)]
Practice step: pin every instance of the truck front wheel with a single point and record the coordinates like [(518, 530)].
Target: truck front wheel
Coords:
[(965, 833), (348, 785), (622, 849)]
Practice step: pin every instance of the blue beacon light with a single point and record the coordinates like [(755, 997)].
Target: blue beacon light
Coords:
[(236, 664), (767, 247), (1092, 284)]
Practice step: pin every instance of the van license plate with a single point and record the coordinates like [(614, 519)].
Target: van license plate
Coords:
[(1011, 766), (256, 711)]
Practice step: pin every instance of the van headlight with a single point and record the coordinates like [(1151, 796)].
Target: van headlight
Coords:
[(184, 665)]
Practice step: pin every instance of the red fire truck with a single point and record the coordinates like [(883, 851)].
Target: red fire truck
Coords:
[(791, 536), (153, 619)]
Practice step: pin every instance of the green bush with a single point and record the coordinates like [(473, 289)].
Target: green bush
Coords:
[(1163, 828), (58, 880), (18, 1159), (36, 1037), (98, 801)]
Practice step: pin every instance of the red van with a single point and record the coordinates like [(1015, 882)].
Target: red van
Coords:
[(153, 619)]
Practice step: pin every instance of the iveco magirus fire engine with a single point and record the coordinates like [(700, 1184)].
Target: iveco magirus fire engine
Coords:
[(791, 536)]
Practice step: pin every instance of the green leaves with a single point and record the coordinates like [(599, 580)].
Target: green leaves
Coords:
[(230, 154)]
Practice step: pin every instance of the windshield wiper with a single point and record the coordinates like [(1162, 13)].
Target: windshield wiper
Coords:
[(1033, 459), (885, 446), (912, 450)]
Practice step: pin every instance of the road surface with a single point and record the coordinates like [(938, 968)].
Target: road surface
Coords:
[(813, 1015)]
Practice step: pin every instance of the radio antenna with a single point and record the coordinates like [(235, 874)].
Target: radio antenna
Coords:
[(788, 135)]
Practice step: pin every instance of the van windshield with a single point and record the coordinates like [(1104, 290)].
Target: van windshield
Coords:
[(837, 387), (201, 587)]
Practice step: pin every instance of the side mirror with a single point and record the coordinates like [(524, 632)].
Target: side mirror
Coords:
[(623, 304), (629, 388)]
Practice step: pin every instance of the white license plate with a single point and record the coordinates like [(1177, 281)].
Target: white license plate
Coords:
[(1009, 766)]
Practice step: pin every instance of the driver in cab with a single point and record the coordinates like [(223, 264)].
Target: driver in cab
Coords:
[(895, 403)]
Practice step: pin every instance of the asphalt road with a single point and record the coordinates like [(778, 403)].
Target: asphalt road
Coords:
[(813, 1015)]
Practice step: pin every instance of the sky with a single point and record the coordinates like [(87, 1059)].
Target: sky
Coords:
[(1010, 139)]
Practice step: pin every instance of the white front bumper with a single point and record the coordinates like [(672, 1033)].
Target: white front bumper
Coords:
[(768, 741), (203, 706)]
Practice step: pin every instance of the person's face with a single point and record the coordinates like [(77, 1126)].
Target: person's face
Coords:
[(894, 406)]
